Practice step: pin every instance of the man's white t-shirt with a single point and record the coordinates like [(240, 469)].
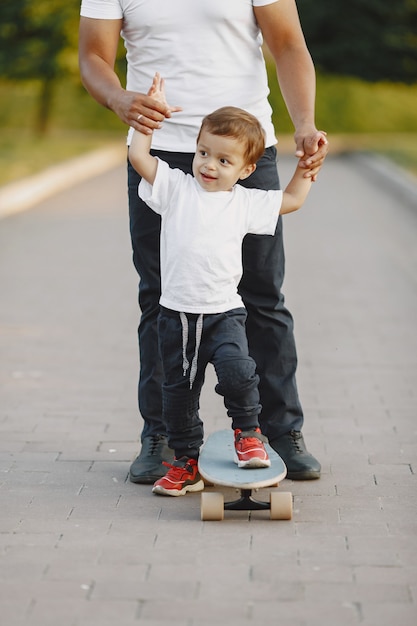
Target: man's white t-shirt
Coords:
[(208, 51), (201, 238)]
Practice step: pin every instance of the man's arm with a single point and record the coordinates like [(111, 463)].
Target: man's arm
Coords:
[(281, 29), (98, 42)]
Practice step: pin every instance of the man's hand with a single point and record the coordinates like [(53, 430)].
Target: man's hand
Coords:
[(311, 149), (153, 107), (138, 110)]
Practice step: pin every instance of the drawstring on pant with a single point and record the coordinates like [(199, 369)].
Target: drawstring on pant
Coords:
[(184, 324), (198, 333)]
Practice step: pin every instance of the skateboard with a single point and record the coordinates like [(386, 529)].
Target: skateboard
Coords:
[(216, 466)]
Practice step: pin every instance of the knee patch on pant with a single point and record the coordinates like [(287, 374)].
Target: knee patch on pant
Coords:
[(237, 376)]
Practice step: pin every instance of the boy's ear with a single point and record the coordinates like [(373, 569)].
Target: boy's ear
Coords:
[(247, 171)]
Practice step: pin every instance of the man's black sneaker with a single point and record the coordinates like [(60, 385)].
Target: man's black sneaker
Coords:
[(148, 466), (301, 465)]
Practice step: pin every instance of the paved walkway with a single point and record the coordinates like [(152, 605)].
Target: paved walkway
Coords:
[(82, 546)]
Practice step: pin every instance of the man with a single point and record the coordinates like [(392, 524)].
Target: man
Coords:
[(211, 54)]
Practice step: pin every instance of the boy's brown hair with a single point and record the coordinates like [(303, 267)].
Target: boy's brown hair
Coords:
[(234, 122)]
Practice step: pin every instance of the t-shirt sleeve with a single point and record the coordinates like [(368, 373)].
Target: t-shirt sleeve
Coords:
[(262, 3), (263, 211), (101, 9), (159, 196)]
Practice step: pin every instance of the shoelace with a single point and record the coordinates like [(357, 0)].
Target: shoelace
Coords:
[(296, 439), (155, 443)]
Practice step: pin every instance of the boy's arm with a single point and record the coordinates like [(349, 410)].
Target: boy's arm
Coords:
[(144, 163), (295, 192), (139, 151)]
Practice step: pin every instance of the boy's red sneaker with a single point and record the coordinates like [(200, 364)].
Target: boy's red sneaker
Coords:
[(181, 477), (250, 450)]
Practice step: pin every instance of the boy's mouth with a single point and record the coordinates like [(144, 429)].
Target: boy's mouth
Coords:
[(207, 178)]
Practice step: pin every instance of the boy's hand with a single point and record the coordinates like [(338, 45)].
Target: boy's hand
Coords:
[(157, 92), (312, 148)]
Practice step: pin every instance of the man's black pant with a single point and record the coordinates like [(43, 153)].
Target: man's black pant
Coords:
[(269, 325)]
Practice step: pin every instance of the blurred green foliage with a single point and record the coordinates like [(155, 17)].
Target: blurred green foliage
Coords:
[(73, 107), (344, 105), (355, 105), (40, 88), (367, 39), (381, 117), (39, 52), (352, 105), (38, 41), (371, 39)]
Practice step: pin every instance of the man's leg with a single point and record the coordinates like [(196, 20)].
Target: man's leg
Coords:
[(270, 334), (145, 232)]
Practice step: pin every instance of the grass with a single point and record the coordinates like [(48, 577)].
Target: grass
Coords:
[(378, 118), (401, 148), (23, 154), (76, 126)]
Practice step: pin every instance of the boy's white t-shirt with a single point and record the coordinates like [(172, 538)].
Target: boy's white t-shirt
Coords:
[(201, 238), (208, 51)]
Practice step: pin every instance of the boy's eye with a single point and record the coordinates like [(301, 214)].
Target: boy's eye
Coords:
[(203, 153), (224, 161)]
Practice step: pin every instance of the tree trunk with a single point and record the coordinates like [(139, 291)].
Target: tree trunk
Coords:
[(44, 106)]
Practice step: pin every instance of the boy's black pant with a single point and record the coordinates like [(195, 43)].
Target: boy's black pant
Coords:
[(224, 344)]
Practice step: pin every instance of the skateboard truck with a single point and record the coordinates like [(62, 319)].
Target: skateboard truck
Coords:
[(246, 502)]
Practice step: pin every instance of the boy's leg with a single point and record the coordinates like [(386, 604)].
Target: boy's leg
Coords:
[(180, 401), (238, 384), (145, 232), (180, 404), (271, 338)]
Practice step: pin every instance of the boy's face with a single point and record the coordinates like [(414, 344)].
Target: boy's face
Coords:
[(218, 162)]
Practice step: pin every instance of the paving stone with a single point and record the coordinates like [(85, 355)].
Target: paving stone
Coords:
[(82, 546)]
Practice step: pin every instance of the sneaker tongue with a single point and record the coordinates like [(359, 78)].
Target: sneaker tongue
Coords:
[(182, 462), (251, 434)]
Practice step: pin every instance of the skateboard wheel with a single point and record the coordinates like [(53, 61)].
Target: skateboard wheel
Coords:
[(281, 505), (212, 506)]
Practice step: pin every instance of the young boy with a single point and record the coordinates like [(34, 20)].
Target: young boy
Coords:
[(202, 318)]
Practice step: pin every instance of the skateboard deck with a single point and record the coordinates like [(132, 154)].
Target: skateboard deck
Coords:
[(216, 465)]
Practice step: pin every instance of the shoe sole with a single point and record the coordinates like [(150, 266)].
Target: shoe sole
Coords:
[(149, 479), (161, 491), (255, 463), (305, 475)]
